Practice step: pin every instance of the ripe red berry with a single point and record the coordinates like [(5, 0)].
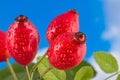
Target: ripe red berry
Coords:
[(67, 50), (4, 54), (22, 40), (66, 22)]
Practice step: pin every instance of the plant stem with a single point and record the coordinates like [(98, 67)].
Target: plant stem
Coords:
[(11, 69), (112, 75), (43, 73), (48, 69), (27, 73), (35, 66)]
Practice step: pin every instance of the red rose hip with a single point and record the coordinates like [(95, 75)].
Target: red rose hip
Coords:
[(67, 50), (66, 22), (4, 54), (22, 40)]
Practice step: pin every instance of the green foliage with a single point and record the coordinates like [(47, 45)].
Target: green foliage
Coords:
[(53, 74), (70, 74), (106, 62), (6, 75), (63, 75), (118, 77), (85, 73)]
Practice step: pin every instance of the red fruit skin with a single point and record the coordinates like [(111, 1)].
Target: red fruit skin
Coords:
[(66, 22), (22, 40), (65, 52), (4, 54)]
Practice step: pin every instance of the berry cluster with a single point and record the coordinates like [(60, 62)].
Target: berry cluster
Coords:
[(67, 45)]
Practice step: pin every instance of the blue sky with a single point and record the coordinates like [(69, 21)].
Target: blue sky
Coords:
[(40, 13)]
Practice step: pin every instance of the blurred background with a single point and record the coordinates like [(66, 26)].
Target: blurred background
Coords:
[(99, 20)]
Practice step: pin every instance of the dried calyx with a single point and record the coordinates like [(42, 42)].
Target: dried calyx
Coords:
[(80, 37), (21, 18), (74, 11)]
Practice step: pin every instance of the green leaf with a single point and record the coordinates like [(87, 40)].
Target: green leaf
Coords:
[(6, 75), (118, 77), (53, 74), (70, 74), (85, 73), (106, 62)]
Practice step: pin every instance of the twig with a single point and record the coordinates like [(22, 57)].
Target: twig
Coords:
[(43, 73), (112, 75), (11, 69), (35, 66), (27, 73)]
